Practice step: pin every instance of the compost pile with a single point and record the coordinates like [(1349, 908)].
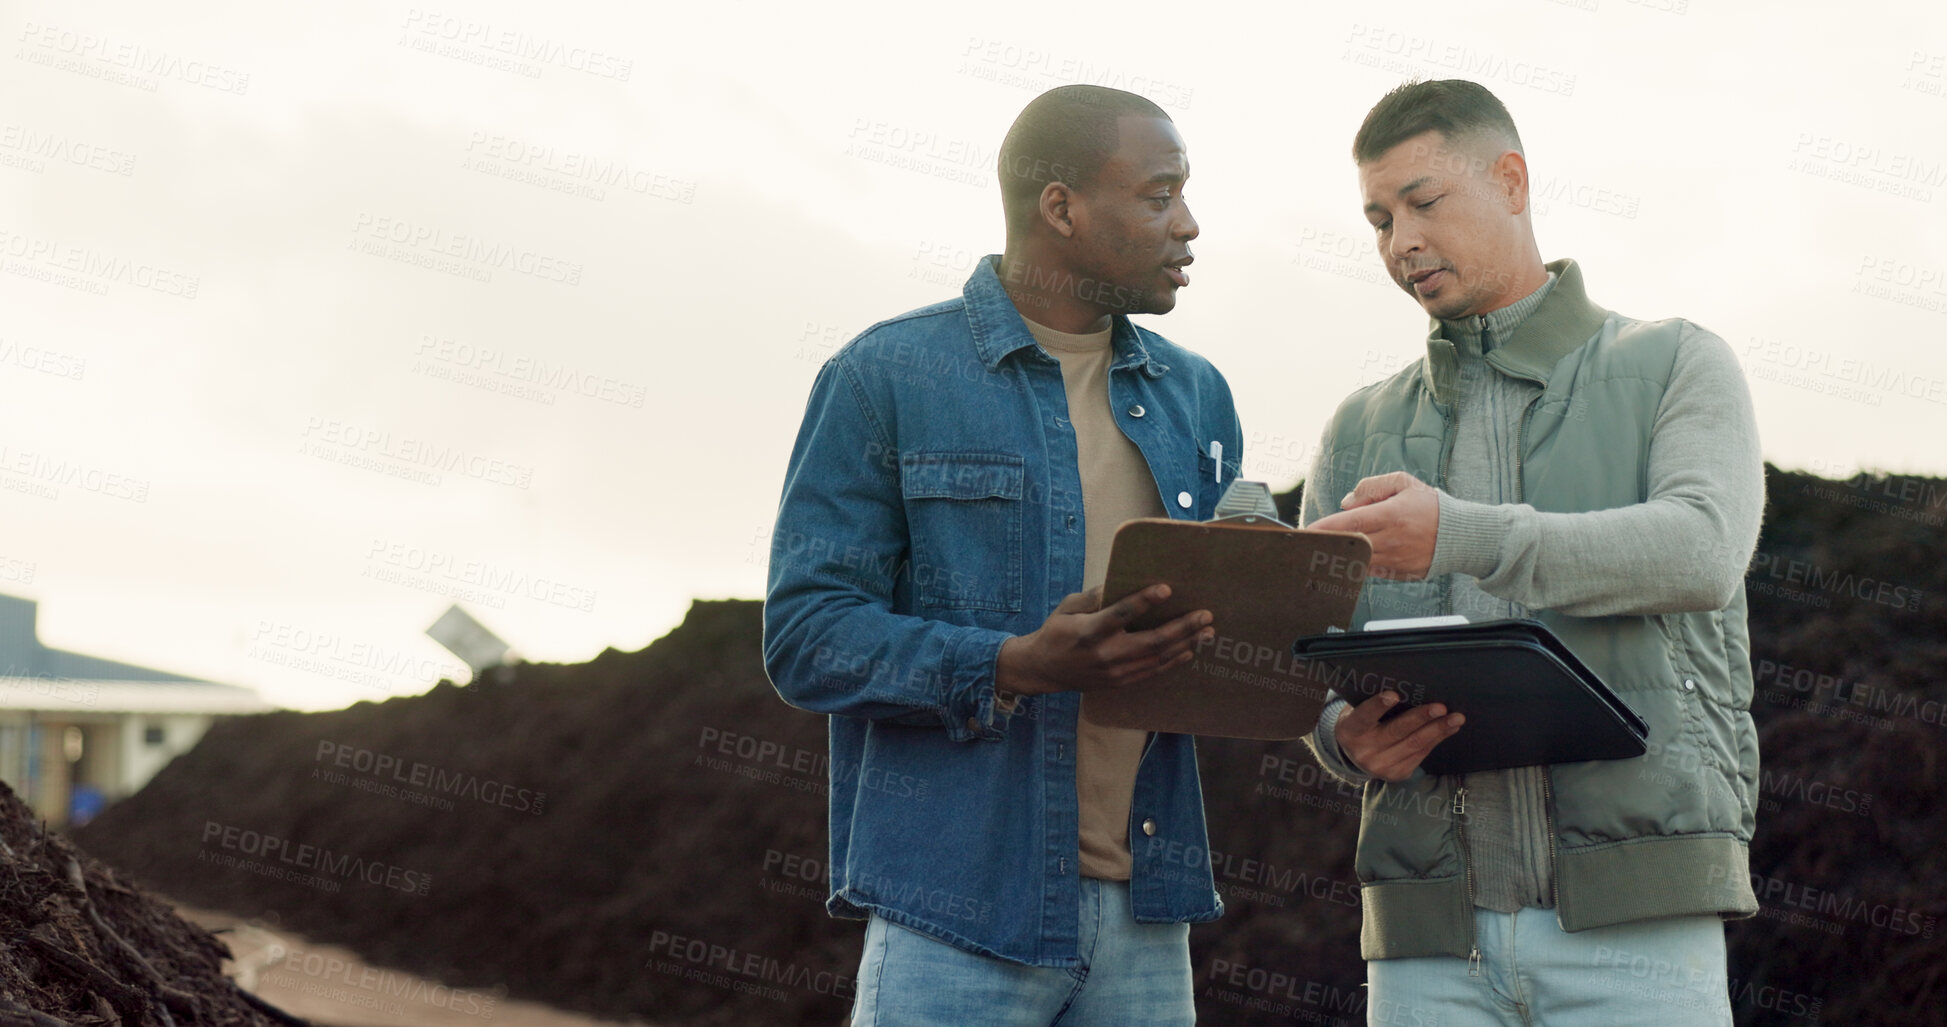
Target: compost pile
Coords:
[(566, 832), (81, 946), (644, 834)]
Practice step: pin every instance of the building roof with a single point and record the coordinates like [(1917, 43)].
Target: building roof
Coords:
[(77, 695), (39, 677)]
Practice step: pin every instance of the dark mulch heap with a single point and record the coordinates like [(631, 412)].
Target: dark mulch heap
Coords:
[(80, 945), (680, 832)]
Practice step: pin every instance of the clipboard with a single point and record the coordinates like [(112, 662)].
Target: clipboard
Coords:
[(1262, 580), (1528, 699)]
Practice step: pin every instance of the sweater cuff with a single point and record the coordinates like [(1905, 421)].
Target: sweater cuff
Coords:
[(1324, 742), (1469, 539)]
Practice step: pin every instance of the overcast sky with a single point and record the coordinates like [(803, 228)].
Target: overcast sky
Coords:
[(316, 318)]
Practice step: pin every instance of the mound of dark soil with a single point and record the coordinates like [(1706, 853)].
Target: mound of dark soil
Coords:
[(628, 836), (644, 834), (84, 947)]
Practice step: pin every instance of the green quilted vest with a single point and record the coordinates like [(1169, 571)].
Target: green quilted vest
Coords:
[(1666, 834)]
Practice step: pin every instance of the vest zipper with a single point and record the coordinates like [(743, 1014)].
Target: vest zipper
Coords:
[(1548, 818), (1459, 810), (1547, 789), (1446, 459), (1520, 435), (1446, 606)]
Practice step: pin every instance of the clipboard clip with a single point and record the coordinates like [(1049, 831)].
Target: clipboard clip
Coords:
[(1248, 503)]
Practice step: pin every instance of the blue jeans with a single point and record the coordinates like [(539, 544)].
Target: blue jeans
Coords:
[(1131, 973), (1657, 973)]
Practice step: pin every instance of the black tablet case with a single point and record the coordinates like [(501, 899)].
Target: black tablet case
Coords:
[(1527, 698)]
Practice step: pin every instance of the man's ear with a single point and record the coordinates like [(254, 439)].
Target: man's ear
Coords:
[(1511, 175), (1055, 210)]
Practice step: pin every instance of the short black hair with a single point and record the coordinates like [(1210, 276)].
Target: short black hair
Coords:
[(1452, 107), (1064, 135)]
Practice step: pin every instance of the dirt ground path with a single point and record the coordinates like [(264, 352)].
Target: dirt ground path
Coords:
[(332, 987)]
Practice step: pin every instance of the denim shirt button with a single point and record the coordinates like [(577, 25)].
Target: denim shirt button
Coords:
[(1149, 827), (1136, 411), (1183, 500), (973, 724)]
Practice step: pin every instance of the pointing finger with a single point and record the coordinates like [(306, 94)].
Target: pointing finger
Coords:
[(1362, 521)]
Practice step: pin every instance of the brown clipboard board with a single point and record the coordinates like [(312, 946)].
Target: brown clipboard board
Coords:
[(1265, 585)]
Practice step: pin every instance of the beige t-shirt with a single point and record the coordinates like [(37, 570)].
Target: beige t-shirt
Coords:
[(1116, 487)]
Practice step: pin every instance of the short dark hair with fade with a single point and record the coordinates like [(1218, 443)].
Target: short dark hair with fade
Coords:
[(1452, 107), (1064, 135)]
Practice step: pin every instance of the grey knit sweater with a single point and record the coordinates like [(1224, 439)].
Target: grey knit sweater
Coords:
[(1507, 558)]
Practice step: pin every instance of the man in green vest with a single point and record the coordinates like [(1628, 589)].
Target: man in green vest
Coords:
[(1548, 458)]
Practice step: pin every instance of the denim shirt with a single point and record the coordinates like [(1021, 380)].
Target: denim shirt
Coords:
[(932, 508)]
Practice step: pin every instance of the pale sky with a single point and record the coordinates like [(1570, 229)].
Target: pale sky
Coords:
[(317, 317)]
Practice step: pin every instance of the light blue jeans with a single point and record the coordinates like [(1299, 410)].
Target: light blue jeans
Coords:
[(1657, 973), (1131, 974)]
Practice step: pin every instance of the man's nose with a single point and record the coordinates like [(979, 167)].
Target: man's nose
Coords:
[(1187, 228), (1405, 240)]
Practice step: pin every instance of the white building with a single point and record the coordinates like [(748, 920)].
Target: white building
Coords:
[(78, 731)]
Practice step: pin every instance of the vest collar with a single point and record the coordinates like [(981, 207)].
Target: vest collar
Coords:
[(1563, 322)]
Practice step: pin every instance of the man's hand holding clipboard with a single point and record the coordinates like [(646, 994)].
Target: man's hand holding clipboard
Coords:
[(1084, 645), (1263, 583)]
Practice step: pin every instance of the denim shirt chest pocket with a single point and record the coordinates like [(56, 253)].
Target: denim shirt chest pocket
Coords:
[(1212, 480), (964, 515)]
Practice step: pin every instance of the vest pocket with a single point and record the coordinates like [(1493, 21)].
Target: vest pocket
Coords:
[(1712, 785), (964, 513)]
